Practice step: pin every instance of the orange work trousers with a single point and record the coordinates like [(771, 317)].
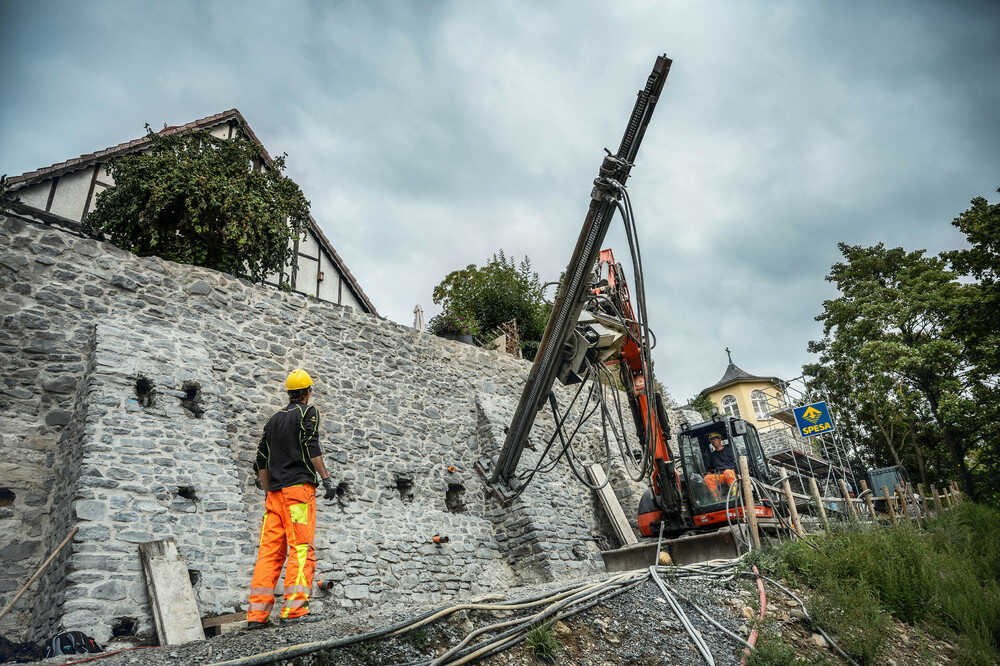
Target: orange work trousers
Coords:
[(714, 481), (287, 533)]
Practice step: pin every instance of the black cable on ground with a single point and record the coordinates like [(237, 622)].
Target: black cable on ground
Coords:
[(399, 627)]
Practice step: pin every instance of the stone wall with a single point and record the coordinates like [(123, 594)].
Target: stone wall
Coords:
[(132, 395)]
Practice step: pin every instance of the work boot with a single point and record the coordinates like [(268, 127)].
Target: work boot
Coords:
[(259, 625), (301, 619)]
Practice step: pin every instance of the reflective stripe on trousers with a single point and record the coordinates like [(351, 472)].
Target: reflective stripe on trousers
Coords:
[(287, 531)]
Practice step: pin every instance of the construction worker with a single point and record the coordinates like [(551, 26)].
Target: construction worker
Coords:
[(722, 465), (290, 465)]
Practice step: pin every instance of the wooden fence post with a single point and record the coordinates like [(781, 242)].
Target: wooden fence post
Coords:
[(916, 507), (819, 502), (852, 512), (888, 504), (938, 511), (792, 509), (947, 496), (902, 498), (748, 504), (923, 500), (868, 501)]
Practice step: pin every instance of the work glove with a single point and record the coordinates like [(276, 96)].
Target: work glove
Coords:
[(331, 490)]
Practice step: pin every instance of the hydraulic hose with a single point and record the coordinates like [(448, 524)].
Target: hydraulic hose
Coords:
[(752, 641), (699, 642)]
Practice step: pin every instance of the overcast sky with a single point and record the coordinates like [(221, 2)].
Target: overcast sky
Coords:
[(428, 135)]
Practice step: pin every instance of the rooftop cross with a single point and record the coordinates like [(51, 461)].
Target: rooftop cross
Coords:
[(730, 354)]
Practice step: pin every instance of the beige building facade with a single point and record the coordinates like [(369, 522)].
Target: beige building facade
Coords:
[(746, 396)]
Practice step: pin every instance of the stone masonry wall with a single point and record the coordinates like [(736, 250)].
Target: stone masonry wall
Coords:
[(85, 329)]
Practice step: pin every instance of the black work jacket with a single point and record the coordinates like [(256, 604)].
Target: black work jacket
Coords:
[(291, 438), (723, 459)]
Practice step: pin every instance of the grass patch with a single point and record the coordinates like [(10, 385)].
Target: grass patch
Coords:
[(854, 614), (543, 642), (947, 575), (419, 638), (364, 652), (772, 650)]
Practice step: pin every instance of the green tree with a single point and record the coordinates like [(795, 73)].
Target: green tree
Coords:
[(198, 199), (498, 292), (702, 404), (977, 325), (891, 327)]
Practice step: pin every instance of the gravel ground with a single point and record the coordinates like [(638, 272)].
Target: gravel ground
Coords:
[(636, 627)]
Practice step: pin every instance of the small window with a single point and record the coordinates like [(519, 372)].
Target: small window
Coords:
[(759, 402), (731, 406)]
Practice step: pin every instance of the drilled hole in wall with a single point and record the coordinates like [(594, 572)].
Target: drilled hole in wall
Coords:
[(192, 400), (125, 626), (454, 499), (7, 496), (145, 391), (342, 493), (187, 492), (404, 486), (195, 577)]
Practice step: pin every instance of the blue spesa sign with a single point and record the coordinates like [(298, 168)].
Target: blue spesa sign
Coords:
[(813, 419)]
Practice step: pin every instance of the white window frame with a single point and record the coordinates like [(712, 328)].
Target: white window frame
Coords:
[(730, 405), (759, 402)]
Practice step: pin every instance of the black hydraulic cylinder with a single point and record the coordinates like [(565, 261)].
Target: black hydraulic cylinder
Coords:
[(559, 342)]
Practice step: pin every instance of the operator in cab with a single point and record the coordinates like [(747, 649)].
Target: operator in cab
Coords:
[(721, 465)]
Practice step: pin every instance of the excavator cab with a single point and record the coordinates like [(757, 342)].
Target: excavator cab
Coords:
[(710, 491)]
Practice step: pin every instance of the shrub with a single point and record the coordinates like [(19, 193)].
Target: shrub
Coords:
[(197, 199), (948, 575), (450, 322), (496, 293)]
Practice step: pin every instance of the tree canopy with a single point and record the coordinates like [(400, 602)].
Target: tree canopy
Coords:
[(198, 199), (494, 294), (909, 355)]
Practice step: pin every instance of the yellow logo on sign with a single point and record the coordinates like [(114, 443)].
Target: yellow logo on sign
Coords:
[(812, 415)]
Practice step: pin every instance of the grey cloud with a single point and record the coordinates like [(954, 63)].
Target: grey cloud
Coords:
[(429, 135)]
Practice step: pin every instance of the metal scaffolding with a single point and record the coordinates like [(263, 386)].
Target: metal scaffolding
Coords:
[(823, 457)]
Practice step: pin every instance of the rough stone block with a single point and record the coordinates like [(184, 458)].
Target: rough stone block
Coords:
[(91, 510), (201, 288), (124, 282)]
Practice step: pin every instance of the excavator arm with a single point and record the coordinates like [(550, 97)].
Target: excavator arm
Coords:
[(563, 348), (645, 402)]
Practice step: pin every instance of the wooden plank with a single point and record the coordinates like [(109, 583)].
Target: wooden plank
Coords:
[(175, 612), (612, 506), (748, 503)]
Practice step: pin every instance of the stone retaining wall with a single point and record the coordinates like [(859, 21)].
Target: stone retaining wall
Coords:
[(132, 395)]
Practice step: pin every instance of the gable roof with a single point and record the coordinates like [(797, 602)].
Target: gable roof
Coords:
[(735, 374), (236, 119)]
